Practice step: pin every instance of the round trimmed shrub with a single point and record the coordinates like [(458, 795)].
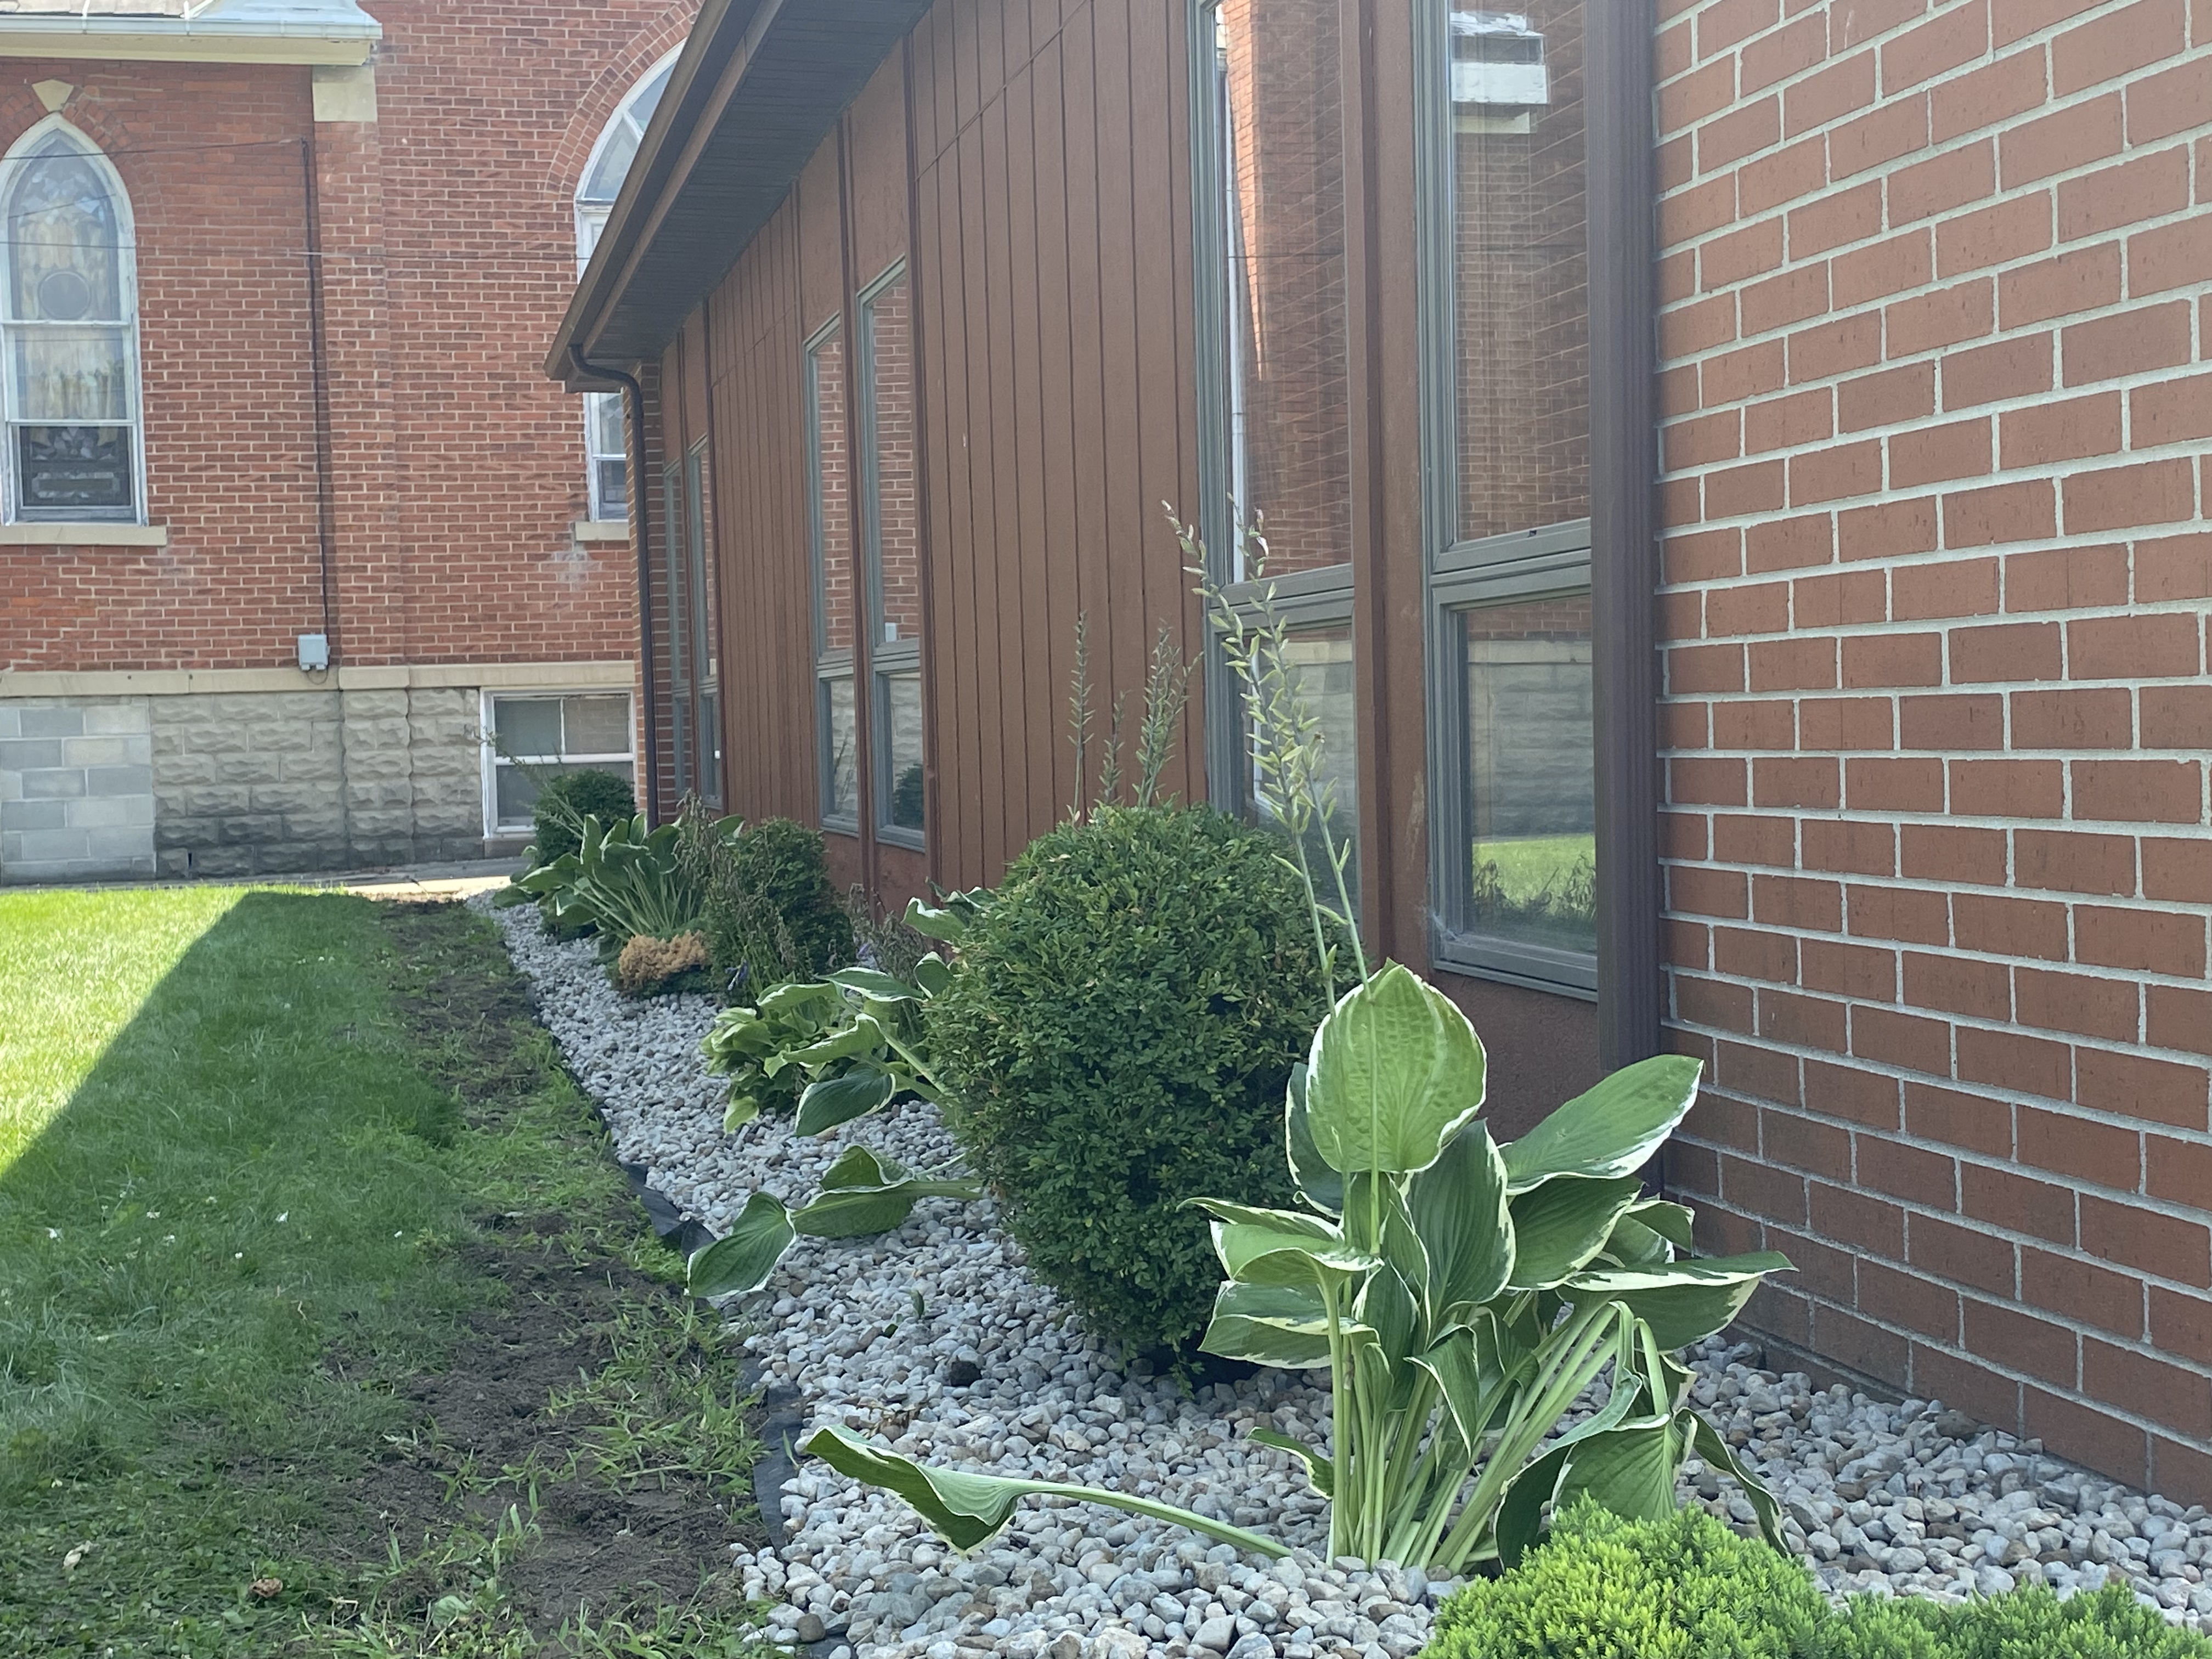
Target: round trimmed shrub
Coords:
[(1117, 1040), (556, 822), (772, 912)]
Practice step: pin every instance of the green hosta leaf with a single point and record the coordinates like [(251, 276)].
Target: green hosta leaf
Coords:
[(802, 999), (1255, 1254), (1612, 1130), (970, 1510), (1629, 1470), (1716, 1451), (1672, 1222), (1252, 1215), (1320, 1471), (1319, 1185), (865, 1192), (1459, 1210), (1684, 1302), (1396, 1071), (933, 976), (741, 1110), (831, 1101), (948, 921), (1520, 1519), (1558, 1227), (862, 1036), (868, 981), (740, 1262), (1280, 1325), (1471, 1396)]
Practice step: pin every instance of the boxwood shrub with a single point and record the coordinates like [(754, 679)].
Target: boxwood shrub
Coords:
[(1117, 1040), (557, 821), (1689, 1588), (772, 912)]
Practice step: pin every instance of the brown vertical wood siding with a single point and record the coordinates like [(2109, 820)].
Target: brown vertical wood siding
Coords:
[(1030, 161)]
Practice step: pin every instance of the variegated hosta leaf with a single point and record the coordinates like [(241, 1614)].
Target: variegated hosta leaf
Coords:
[(1280, 1325), (1684, 1302), (1262, 1254), (1560, 1226), (872, 982), (1320, 1472), (831, 1101), (865, 1192), (740, 1262), (1459, 1212), (968, 1510), (1319, 1185), (1610, 1130), (1396, 1071)]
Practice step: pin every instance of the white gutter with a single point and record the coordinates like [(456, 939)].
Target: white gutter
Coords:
[(211, 31)]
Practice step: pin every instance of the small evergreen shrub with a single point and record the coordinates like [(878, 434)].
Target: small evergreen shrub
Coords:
[(1603, 1588), (1689, 1588), (2108, 1624), (772, 913), (1117, 1039), (557, 821)]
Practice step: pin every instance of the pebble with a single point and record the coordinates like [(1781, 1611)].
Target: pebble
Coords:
[(936, 1339)]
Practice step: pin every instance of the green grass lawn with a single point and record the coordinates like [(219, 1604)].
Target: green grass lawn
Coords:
[(241, 1179)]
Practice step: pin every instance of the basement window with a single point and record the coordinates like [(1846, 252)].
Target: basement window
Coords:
[(532, 737)]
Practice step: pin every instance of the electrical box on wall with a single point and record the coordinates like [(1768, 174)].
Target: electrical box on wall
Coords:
[(314, 653)]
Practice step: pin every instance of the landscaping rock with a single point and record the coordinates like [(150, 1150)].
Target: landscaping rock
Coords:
[(879, 1335)]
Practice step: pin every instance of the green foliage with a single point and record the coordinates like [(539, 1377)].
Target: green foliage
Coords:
[(772, 914), (857, 1042), (2109, 1625), (1462, 1295), (567, 800), (1687, 1587), (1116, 1041), (624, 880), (1684, 1587)]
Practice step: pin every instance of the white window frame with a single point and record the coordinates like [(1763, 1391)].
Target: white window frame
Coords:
[(493, 760), (591, 221), (126, 260)]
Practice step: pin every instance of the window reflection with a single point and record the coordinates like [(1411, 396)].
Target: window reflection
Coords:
[(1531, 804), (1322, 659)]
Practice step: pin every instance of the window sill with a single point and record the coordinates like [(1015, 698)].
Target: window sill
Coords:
[(58, 533), (600, 530)]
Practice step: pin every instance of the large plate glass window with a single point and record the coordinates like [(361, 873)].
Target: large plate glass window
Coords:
[(829, 531), (893, 530), (689, 580), (1506, 310), (531, 737), (69, 383), (1273, 372), (604, 172)]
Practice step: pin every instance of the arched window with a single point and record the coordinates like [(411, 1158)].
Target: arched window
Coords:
[(595, 198), (70, 327)]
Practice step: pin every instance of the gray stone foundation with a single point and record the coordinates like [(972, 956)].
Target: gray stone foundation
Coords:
[(240, 783)]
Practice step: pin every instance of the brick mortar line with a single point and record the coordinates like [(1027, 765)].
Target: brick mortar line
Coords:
[(2104, 1116), (1958, 1215), (2038, 41)]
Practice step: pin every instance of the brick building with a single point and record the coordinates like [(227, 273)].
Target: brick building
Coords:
[(1737, 475), (291, 521)]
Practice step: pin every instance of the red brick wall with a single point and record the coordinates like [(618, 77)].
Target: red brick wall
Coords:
[(1938, 881), (450, 254)]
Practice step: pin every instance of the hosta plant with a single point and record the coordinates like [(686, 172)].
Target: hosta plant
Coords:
[(831, 1051), (624, 880), (1463, 1296)]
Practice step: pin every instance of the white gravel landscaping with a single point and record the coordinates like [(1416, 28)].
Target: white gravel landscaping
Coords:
[(937, 1338)]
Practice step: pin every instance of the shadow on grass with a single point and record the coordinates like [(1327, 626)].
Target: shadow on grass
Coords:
[(234, 1262)]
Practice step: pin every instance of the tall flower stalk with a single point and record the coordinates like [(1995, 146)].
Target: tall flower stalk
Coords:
[(1289, 751)]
